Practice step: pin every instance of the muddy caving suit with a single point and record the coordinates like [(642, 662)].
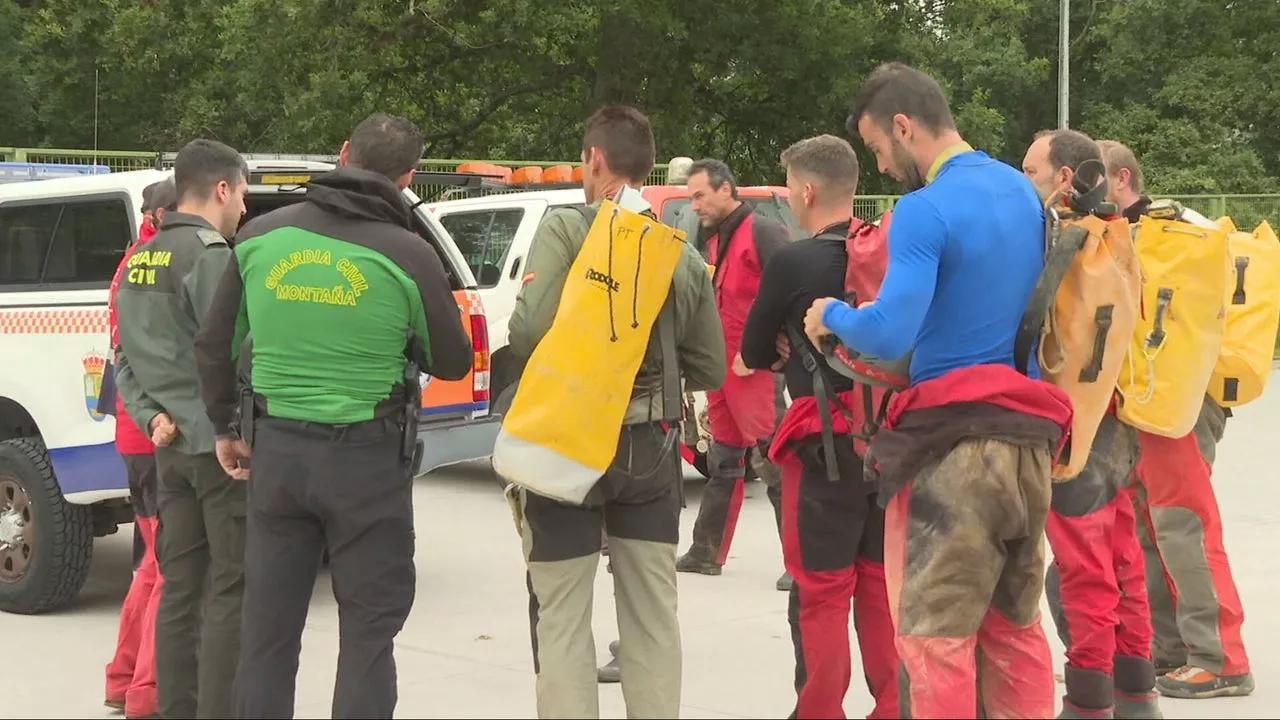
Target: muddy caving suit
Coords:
[(964, 461), (1196, 612), (743, 413), (832, 527), (637, 502)]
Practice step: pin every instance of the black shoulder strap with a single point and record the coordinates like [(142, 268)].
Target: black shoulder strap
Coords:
[(672, 407), (1062, 253), (822, 397)]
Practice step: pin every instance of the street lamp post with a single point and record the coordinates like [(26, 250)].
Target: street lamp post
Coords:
[(1064, 62)]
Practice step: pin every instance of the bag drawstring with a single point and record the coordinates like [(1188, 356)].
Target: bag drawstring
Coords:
[(635, 289), (613, 330)]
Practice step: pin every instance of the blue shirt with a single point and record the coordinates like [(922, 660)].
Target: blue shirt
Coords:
[(965, 252)]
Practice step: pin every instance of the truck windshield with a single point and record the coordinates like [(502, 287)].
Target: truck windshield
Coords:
[(677, 213)]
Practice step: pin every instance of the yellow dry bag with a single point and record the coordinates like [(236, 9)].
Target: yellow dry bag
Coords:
[(1252, 316), (1186, 282), (562, 431)]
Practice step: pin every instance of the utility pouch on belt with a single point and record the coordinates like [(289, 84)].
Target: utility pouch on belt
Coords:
[(410, 447), (248, 412)]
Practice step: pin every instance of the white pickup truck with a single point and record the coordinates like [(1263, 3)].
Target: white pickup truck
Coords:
[(61, 481)]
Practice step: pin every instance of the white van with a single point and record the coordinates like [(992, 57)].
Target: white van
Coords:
[(61, 481)]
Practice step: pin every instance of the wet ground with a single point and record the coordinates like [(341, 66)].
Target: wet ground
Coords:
[(465, 651)]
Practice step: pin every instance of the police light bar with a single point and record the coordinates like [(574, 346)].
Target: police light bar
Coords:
[(23, 172)]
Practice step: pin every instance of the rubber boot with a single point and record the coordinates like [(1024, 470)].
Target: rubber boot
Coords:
[(1090, 694), (718, 512), (610, 672), (1136, 696)]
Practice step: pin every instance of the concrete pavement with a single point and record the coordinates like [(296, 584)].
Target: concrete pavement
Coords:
[(465, 651)]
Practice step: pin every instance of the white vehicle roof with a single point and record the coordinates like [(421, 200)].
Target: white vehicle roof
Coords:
[(133, 181), (551, 197)]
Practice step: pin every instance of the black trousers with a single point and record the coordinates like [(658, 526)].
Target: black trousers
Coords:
[(345, 488), (200, 546)]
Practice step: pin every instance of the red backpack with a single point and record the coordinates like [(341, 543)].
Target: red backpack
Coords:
[(876, 379), (868, 246)]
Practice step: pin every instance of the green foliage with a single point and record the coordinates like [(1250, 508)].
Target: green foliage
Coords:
[(1187, 84)]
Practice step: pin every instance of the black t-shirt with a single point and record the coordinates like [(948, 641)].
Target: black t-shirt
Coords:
[(796, 275)]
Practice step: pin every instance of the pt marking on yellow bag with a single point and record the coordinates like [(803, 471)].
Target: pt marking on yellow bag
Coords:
[(562, 431), (1186, 274)]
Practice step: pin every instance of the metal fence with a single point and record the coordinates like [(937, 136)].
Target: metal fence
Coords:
[(1246, 210)]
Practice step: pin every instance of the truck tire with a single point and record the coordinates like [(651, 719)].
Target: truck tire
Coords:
[(46, 543)]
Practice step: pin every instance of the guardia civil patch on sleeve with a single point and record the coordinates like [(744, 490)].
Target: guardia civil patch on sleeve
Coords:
[(211, 237)]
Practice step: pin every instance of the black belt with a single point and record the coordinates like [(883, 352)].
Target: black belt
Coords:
[(365, 429)]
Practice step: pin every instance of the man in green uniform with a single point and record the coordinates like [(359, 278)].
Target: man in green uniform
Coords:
[(165, 290), (346, 304), (637, 501)]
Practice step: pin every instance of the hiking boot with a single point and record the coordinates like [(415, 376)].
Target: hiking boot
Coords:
[(1192, 683), (610, 672), (691, 563), (785, 582), (1138, 707)]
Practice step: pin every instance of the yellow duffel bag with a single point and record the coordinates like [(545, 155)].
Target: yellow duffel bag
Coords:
[(1253, 315), (561, 433), (1186, 282)]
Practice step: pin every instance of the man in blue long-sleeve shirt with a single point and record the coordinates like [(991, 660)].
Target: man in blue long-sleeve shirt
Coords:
[(965, 252), (964, 456)]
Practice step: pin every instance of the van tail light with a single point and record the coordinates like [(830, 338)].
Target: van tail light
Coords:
[(480, 344)]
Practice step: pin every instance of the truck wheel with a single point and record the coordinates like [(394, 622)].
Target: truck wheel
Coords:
[(46, 543)]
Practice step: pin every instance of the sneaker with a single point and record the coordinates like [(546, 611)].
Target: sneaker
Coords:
[(690, 564), (1164, 667), (785, 582), (610, 672), (1191, 682)]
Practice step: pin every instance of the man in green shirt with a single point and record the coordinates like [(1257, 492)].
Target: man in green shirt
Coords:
[(164, 292), (637, 501), (339, 294)]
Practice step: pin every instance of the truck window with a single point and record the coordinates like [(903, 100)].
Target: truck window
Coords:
[(677, 213), (484, 237), (62, 241)]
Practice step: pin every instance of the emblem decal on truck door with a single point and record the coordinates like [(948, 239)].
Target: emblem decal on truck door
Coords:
[(94, 363)]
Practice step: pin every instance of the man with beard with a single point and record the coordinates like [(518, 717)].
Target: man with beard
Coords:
[(742, 413), (832, 532), (1096, 585), (964, 455), (1198, 646)]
